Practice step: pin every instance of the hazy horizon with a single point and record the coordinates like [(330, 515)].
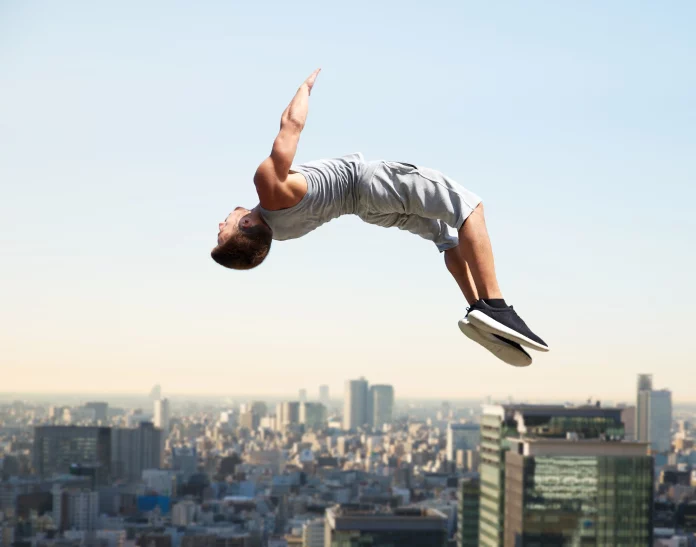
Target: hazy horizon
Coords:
[(128, 131)]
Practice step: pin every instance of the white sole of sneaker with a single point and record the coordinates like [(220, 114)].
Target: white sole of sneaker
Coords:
[(488, 324), (505, 352)]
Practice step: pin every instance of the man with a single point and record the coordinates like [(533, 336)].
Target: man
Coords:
[(296, 199)]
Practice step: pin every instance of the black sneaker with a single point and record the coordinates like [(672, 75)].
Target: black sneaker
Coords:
[(505, 323), (506, 350)]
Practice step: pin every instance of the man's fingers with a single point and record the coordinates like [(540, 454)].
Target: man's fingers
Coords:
[(312, 77)]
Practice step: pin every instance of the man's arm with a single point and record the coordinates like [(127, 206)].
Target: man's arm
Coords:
[(273, 171)]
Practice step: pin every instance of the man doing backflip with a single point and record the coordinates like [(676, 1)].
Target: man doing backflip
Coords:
[(296, 199)]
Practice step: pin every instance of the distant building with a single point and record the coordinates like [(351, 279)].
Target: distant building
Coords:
[(287, 414), (249, 420), (135, 449), (100, 411), (75, 509), (183, 513), (59, 448), (185, 462), (355, 404), (161, 415), (381, 406), (468, 512), (302, 396), (578, 492), (354, 526), (628, 417), (312, 415), (462, 437), (324, 396), (500, 422), (653, 415), (313, 533)]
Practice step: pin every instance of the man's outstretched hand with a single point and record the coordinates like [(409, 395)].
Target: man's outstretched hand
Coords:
[(309, 82)]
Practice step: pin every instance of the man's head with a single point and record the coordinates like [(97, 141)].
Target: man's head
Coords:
[(244, 240)]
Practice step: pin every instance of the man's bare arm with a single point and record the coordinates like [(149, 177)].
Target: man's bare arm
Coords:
[(274, 169)]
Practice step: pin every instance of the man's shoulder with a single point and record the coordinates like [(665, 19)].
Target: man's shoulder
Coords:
[(284, 194)]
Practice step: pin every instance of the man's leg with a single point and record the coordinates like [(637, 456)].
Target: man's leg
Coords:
[(510, 352), (475, 249), (459, 269)]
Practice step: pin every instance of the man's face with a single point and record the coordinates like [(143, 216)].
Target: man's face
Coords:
[(229, 225)]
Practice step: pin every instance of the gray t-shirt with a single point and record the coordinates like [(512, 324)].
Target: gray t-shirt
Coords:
[(420, 200), (332, 191)]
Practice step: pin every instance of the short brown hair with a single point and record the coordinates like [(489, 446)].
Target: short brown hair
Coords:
[(245, 249)]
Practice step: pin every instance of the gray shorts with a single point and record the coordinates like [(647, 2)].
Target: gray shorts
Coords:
[(418, 199)]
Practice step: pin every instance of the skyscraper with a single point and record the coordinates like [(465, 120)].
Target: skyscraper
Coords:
[(462, 437), (381, 405), (57, 448), (312, 415), (653, 415), (578, 492), (660, 420), (287, 413), (161, 417), (303, 396), (324, 395), (355, 404), (501, 422), (354, 526), (468, 512), (135, 449)]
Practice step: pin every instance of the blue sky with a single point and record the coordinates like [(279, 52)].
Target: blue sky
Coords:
[(128, 131)]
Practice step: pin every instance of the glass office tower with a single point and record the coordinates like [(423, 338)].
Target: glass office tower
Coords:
[(572, 493), (500, 423)]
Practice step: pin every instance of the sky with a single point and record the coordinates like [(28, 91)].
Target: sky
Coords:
[(128, 130)]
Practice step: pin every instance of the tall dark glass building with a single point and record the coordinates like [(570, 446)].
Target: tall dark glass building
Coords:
[(573, 493), (359, 526), (501, 423), (468, 512), (61, 449)]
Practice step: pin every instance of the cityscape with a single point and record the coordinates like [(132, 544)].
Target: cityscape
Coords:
[(352, 469)]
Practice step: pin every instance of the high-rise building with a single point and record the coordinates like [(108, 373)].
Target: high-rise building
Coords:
[(287, 413), (75, 509), (100, 411), (135, 449), (355, 404), (312, 415), (259, 408), (653, 415), (462, 437), (185, 461), (354, 526), (500, 422), (161, 416), (302, 396), (381, 405), (57, 448), (628, 417), (578, 492), (313, 533), (250, 420), (468, 512), (324, 395)]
